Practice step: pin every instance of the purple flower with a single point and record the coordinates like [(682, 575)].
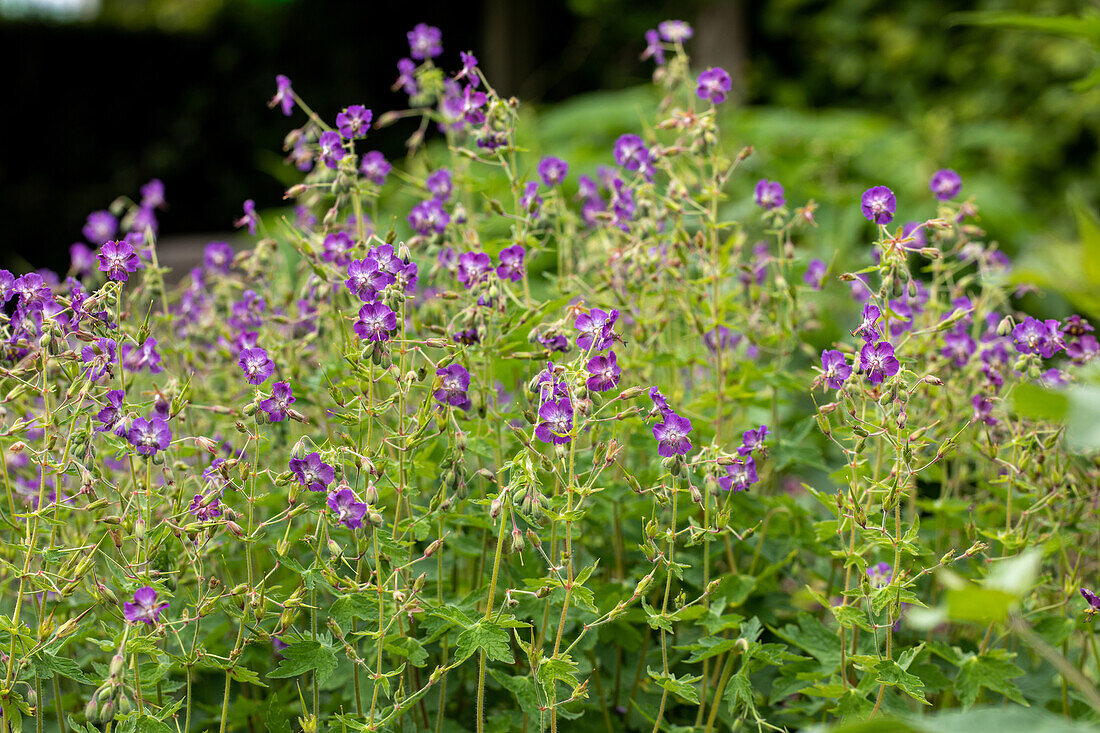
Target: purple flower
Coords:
[(914, 230), (337, 247), (425, 42), (406, 78), (1083, 349), (659, 401), (468, 106), (469, 68), (332, 148), (983, 409), (713, 85), (365, 279), (284, 95), (1092, 599), (312, 472), (276, 405), (552, 170), (32, 290), (99, 355), (597, 329), (675, 31), (740, 475), (100, 227), (204, 508), (721, 337), (256, 366), (959, 346), (376, 322), (1075, 326), (301, 155), (149, 436), (672, 435), (349, 512), (354, 122), (375, 167), (556, 421), (945, 184), (249, 219), (878, 205), (622, 204), (473, 267), (135, 357), (144, 218), (878, 362), (815, 274), (81, 258), (531, 201), (753, 441), (429, 216), (630, 152), (439, 184), (868, 327), (144, 608), (1037, 337), (109, 415), (511, 263), (653, 48), (880, 574), (117, 259), (603, 372), (554, 342), (1054, 378), (217, 257), (455, 383), (769, 194), (152, 194), (405, 276)]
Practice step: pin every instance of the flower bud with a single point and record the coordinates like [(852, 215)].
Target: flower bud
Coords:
[(91, 712), (117, 666)]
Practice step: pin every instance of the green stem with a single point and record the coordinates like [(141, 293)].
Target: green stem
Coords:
[(488, 613)]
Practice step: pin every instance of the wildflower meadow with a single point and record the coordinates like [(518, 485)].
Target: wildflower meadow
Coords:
[(483, 440)]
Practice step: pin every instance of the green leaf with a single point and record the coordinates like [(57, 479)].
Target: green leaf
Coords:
[(145, 723), (709, 646), (275, 716), (524, 690), (488, 636), (46, 665), (978, 604), (814, 637), (681, 687), (655, 619), (355, 606), (246, 676), (994, 671), (1038, 403), (305, 656), (408, 647), (1015, 575), (735, 589), (889, 672), (738, 689)]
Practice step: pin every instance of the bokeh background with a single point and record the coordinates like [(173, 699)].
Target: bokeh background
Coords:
[(101, 95)]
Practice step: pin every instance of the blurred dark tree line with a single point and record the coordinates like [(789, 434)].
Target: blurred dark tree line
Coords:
[(176, 89)]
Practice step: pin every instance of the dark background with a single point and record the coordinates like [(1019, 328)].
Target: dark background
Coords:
[(96, 105)]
